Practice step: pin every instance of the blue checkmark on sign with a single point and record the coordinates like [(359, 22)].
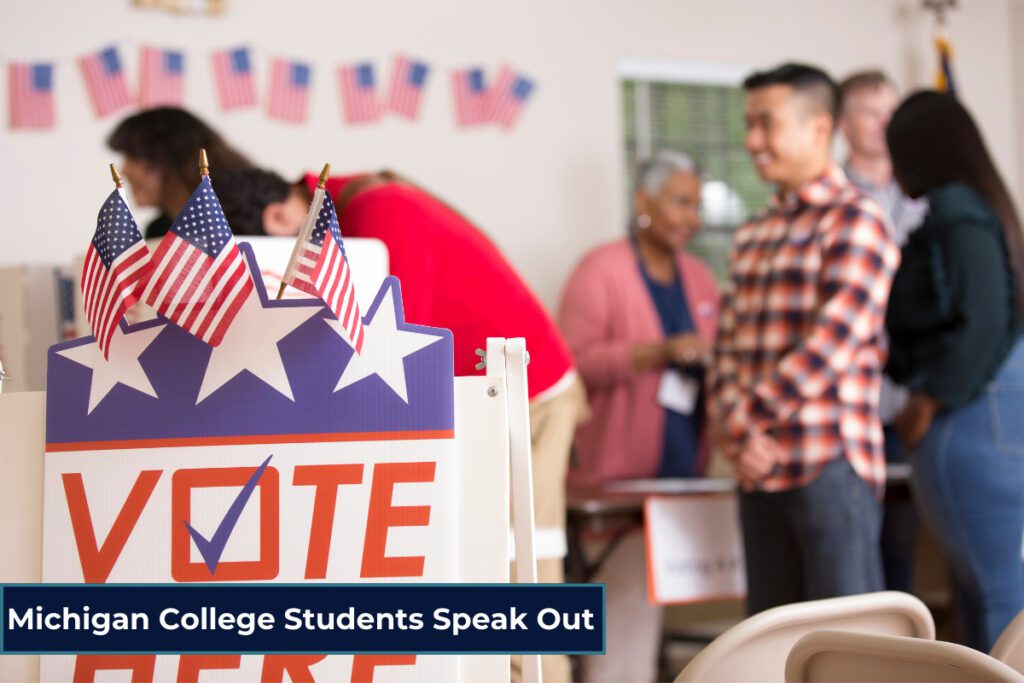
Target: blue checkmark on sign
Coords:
[(212, 549)]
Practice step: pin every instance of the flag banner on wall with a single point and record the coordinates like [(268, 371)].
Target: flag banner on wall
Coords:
[(115, 265), (236, 87), (470, 89), (161, 78), (31, 95), (408, 80), (508, 97), (359, 102), (289, 90), (104, 79)]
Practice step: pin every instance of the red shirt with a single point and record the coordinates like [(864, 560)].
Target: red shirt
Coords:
[(454, 277)]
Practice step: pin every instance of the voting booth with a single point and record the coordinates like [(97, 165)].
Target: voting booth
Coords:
[(279, 456)]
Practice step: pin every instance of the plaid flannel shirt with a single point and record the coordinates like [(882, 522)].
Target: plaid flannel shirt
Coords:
[(801, 344)]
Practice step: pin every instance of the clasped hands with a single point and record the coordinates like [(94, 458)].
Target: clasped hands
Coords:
[(754, 459)]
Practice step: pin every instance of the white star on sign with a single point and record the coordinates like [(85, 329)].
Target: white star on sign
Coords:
[(123, 366), (251, 344), (384, 348)]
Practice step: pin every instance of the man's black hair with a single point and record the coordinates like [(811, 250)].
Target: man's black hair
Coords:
[(245, 193), (804, 79)]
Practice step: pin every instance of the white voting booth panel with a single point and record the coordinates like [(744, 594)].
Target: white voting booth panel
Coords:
[(98, 454)]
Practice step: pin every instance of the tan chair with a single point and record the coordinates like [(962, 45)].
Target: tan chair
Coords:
[(1009, 649), (756, 648), (846, 656)]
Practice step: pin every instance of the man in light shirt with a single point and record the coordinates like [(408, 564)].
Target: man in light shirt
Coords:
[(868, 101)]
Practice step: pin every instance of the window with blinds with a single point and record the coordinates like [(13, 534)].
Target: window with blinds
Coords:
[(706, 122)]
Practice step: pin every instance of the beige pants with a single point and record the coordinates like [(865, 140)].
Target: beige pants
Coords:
[(552, 427), (632, 623)]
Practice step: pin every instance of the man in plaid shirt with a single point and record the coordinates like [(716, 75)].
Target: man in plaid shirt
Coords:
[(797, 370)]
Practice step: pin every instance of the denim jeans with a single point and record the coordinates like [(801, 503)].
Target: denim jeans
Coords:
[(969, 485), (819, 541)]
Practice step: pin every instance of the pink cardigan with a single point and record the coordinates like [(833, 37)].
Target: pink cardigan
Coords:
[(606, 310)]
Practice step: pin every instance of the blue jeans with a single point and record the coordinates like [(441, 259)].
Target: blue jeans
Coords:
[(969, 485), (819, 541)]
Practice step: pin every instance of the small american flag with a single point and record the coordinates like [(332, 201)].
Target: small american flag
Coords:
[(232, 70), (320, 268), (104, 79), (162, 78), (470, 96), (31, 95), (359, 93), (199, 279), (508, 97), (116, 265), (289, 90), (408, 78)]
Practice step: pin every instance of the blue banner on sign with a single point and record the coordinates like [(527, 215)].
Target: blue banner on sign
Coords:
[(302, 618)]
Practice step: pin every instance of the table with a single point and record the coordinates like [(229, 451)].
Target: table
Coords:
[(616, 508)]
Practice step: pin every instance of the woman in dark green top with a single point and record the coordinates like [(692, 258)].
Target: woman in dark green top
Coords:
[(954, 323)]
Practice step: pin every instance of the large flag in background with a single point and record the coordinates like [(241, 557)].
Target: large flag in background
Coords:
[(508, 96), (470, 90), (289, 90), (408, 79), (31, 95), (944, 74), (319, 267), (199, 279), (161, 78), (116, 266), (232, 70), (359, 102), (104, 79)]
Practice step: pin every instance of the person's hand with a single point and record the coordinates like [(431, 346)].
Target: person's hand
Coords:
[(688, 349), (915, 419), (721, 441), (759, 456)]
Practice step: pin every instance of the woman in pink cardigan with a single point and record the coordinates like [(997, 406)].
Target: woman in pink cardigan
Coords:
[(613, 315), (639, 315)]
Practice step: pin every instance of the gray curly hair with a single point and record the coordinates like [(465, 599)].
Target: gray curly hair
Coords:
[(651, 173)]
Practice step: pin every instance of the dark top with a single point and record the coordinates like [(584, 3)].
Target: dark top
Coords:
[(679, 452), (952, 317), (158, 227)]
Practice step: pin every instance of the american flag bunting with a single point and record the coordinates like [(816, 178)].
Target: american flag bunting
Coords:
[(105, 81), (233, 75), (359, 102), (408, 81), (31, 95), (161, 77), (289, 90)]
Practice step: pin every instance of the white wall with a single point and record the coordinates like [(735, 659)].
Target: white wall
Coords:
[(546, 192)]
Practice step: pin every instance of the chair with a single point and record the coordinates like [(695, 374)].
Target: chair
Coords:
[(756, 648), (1009, 649), (845, 656)]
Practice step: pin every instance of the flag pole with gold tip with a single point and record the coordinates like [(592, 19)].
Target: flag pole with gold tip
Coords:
[(305, 230), (204, 163), (116, 175)]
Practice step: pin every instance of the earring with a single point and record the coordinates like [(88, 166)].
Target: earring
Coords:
[(643, 221)]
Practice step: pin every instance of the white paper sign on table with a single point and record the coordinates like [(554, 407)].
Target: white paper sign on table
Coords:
[(694, 549)]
